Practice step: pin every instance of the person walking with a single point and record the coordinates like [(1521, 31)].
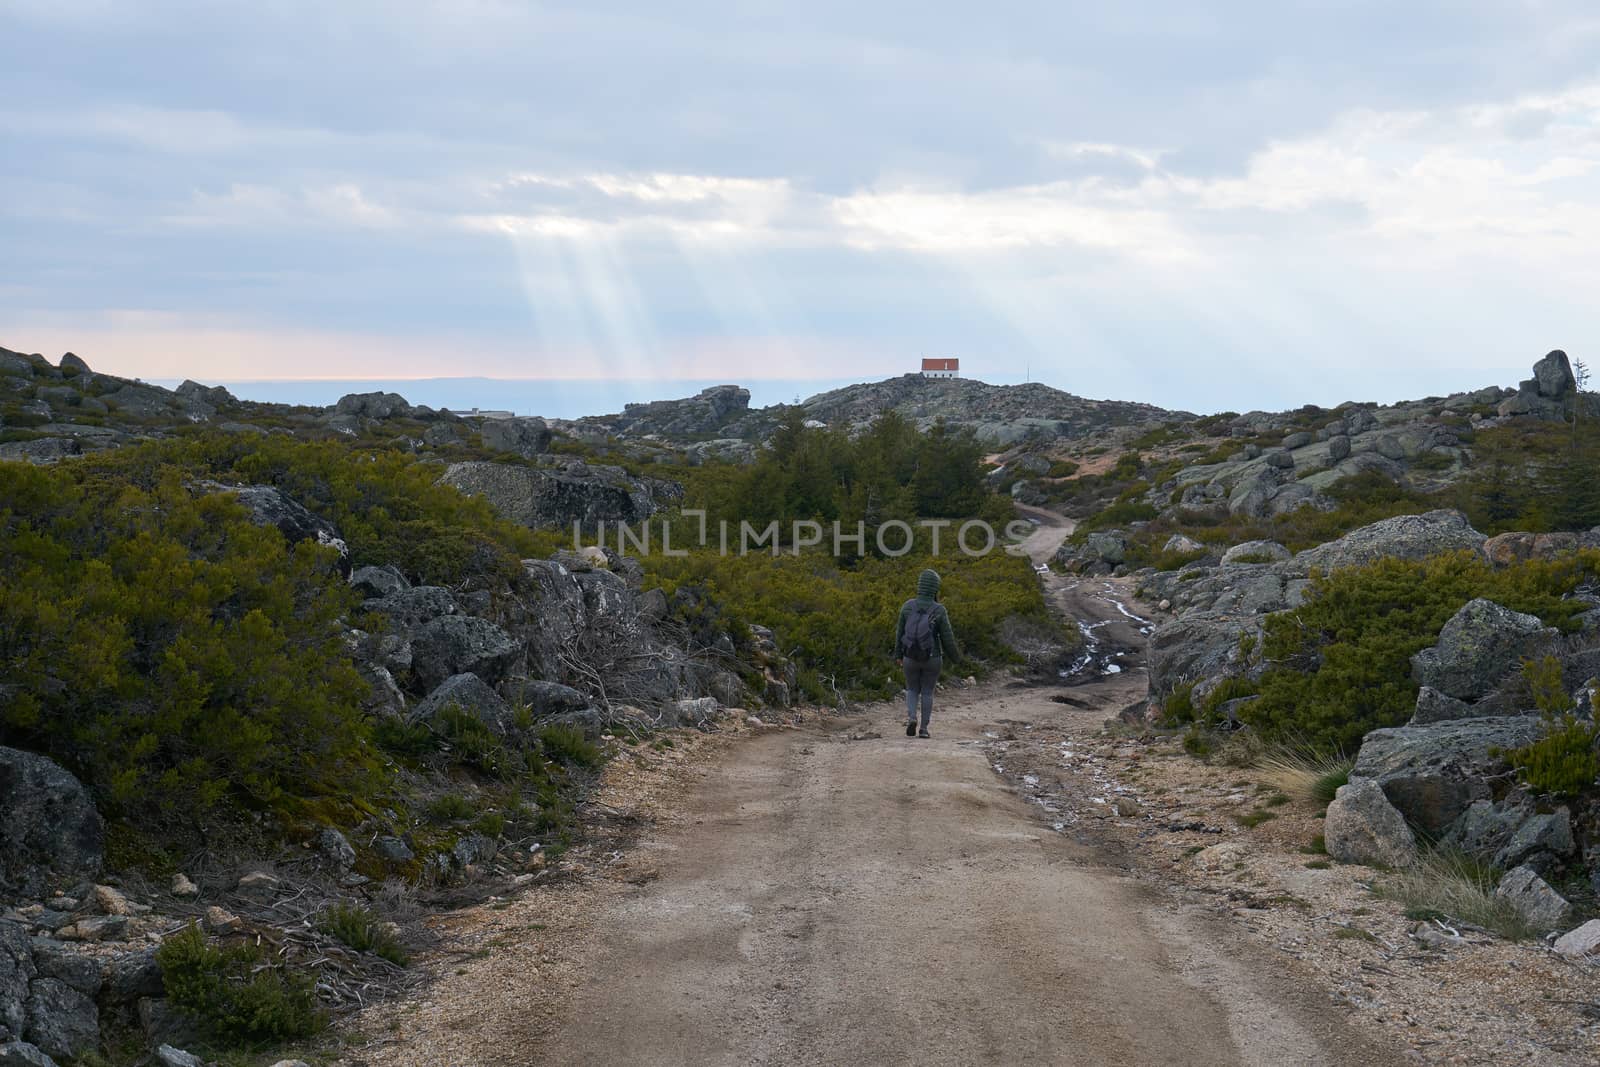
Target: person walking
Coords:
[(922, 639)]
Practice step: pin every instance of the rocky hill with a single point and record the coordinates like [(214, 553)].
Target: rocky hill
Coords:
[(998, 414)]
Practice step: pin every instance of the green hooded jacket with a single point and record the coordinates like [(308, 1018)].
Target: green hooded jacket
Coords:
[(928, 594)]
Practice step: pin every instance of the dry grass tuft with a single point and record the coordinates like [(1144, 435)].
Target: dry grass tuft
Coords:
[(1450, 886), (1308, 779)]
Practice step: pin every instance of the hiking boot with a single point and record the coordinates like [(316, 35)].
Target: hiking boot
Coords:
[(911, 729), (924, 732)]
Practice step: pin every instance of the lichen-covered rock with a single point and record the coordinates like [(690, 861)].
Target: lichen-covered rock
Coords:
[(16, 972), (470, 694), (1432, 773), (1478, 646), (1538, 842), (374, 405), (1434, 706), (269, 506), (1402, 537), (1255, 552), (1553, 375), (576, 493), (410, 608), (61, 1021), (50, 827), (1541, 906), (23, 1054), (525, 437), (1486, 826), (82, 972), (1361, 826), (379, 581), (461, 644), (1184, 544)]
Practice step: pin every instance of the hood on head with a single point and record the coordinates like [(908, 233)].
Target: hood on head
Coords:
[(928, 584)]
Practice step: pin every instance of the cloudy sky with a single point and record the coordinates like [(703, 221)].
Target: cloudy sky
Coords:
[(1226, 205)]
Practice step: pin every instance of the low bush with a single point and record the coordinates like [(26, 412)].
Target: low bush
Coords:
[(568, 745), (1565, 762), (1341, 662), (357, 927), (237, 993)]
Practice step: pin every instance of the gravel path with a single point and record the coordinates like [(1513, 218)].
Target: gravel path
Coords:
[(886, 901)]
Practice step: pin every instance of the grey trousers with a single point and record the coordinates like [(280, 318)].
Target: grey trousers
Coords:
[(920, 679)]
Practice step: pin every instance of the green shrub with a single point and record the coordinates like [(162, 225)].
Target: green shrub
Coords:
[(174, 654), (1198, 741), (237, 993), (1565, 762), (452, 807), (357, 927), (836, 618), (1062, 468), (568, 745), (1341, 662), (1546, 685)]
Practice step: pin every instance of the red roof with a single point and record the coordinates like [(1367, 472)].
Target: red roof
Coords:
[(941, 364)]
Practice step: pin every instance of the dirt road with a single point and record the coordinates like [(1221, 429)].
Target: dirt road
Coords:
[(855, 896), (887, 901)]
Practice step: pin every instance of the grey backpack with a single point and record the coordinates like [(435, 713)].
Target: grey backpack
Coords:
[(917, 640)]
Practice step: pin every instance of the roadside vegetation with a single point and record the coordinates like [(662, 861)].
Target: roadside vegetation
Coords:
[(834, 613), (1339, 665)]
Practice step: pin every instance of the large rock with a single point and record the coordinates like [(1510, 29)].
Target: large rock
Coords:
[(1403, 537), (469, 693), (558, 614), (525, 437), (16, 972), (1432, 773), (22, 1054), (383, 581), (269, 506), (41, 451), (1539, 842), (1478, 646), (1106, 546), (704, 413), (1553, 375), (82, 972), (1361, 826), (1505, 549), (61, 1021), (461, 644), (576, 493), (1541, 906), (1434, 706), (50, 827), (1194, 648), (410, 608), (1255, 552), (1486, 826), (374, 405), (549, 699), (1580, 943)]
